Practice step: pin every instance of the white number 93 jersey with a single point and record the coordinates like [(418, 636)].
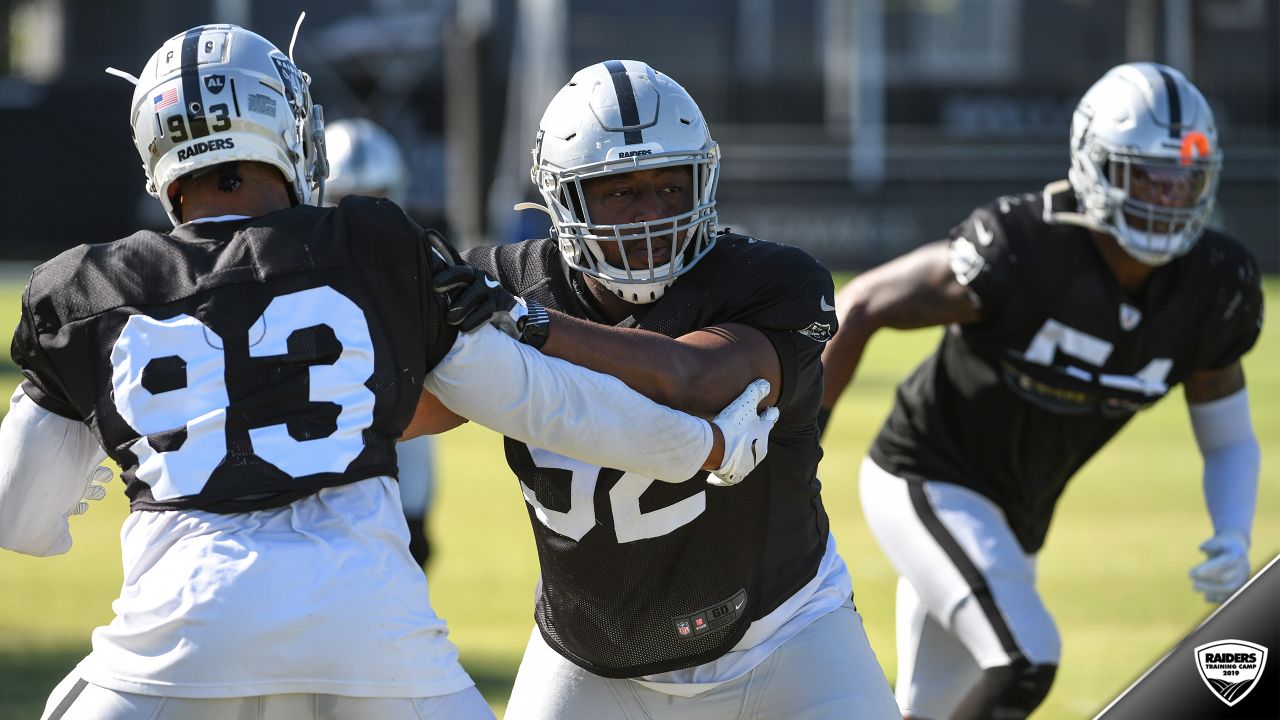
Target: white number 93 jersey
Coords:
[(251, 363)]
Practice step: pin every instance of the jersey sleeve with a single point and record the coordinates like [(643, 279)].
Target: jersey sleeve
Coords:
[(1236, 318), (40, 381), (982, 260), (434, 254), (792, 304), (402, 258), (45, 461)]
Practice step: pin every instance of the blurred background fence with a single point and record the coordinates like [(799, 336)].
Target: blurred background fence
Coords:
[(854, 128)]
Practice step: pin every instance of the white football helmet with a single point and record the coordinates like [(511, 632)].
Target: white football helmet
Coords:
[(364, 160), (219, 94), (617, 117), (1145, 161)]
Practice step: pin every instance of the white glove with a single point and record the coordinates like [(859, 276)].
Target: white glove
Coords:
[(1227, 568), (93, 489), (746, 434)]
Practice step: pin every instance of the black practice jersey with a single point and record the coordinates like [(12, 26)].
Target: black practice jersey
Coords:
[(1062, 357), (236, 365), (639, 576)]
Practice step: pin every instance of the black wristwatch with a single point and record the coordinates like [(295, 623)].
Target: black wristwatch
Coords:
[(535, 327)]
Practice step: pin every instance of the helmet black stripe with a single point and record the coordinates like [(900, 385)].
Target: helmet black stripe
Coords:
[(191, 84), (1175, 105), (627, 107)]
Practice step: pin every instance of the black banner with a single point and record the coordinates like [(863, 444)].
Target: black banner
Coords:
[(1226, 668)]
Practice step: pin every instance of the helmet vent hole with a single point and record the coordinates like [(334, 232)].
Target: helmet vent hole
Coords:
[(570, 136), (686, 121)]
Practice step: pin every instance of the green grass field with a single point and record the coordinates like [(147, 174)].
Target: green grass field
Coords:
[(1114, 572)]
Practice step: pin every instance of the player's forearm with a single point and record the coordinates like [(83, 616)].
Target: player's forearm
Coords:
[(917, 290), (569, 410), (649, 363), (430, 418), (44, 466), (1231, 487), (698, 373), (1232, 460)]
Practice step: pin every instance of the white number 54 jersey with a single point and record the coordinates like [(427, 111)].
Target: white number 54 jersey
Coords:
[(1062, 357)]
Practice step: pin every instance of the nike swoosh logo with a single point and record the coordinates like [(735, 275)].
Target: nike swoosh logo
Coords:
[(823, 306), (491, 282), (984, 235)]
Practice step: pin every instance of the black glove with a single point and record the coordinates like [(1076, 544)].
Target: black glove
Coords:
[(475, 299)]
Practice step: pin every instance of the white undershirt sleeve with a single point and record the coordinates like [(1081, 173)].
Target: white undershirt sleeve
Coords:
[(45, 462), (1224, 434), (557, 406)]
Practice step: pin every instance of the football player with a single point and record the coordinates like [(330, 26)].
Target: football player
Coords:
[(1068, 311), (250, 371), (658, 600), (365, 160)]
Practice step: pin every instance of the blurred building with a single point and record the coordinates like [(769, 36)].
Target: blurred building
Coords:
[(854, 128)]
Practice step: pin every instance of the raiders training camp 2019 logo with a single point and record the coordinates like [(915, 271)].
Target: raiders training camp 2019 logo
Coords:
[(1230, 668)]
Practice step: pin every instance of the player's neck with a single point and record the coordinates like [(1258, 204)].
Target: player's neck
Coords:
[(614, 308), (1131, 273), (253, 199), (216, 209)]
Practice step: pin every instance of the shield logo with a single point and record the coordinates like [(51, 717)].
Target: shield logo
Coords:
[(215, 83), (1130, 316), (1231, 668), (682, 627)]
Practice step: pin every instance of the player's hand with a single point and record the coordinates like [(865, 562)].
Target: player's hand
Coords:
[(475, 299), (746, 434), (1227, 568), (93, 489)]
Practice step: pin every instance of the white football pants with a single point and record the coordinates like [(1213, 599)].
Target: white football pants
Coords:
[(826, 672), (75, 699), (966, 593)]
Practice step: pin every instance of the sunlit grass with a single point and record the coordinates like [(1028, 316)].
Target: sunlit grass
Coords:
[(1113, 571)]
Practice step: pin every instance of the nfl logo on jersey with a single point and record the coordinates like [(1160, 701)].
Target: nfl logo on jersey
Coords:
[(682, 627), (1130, 316)]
